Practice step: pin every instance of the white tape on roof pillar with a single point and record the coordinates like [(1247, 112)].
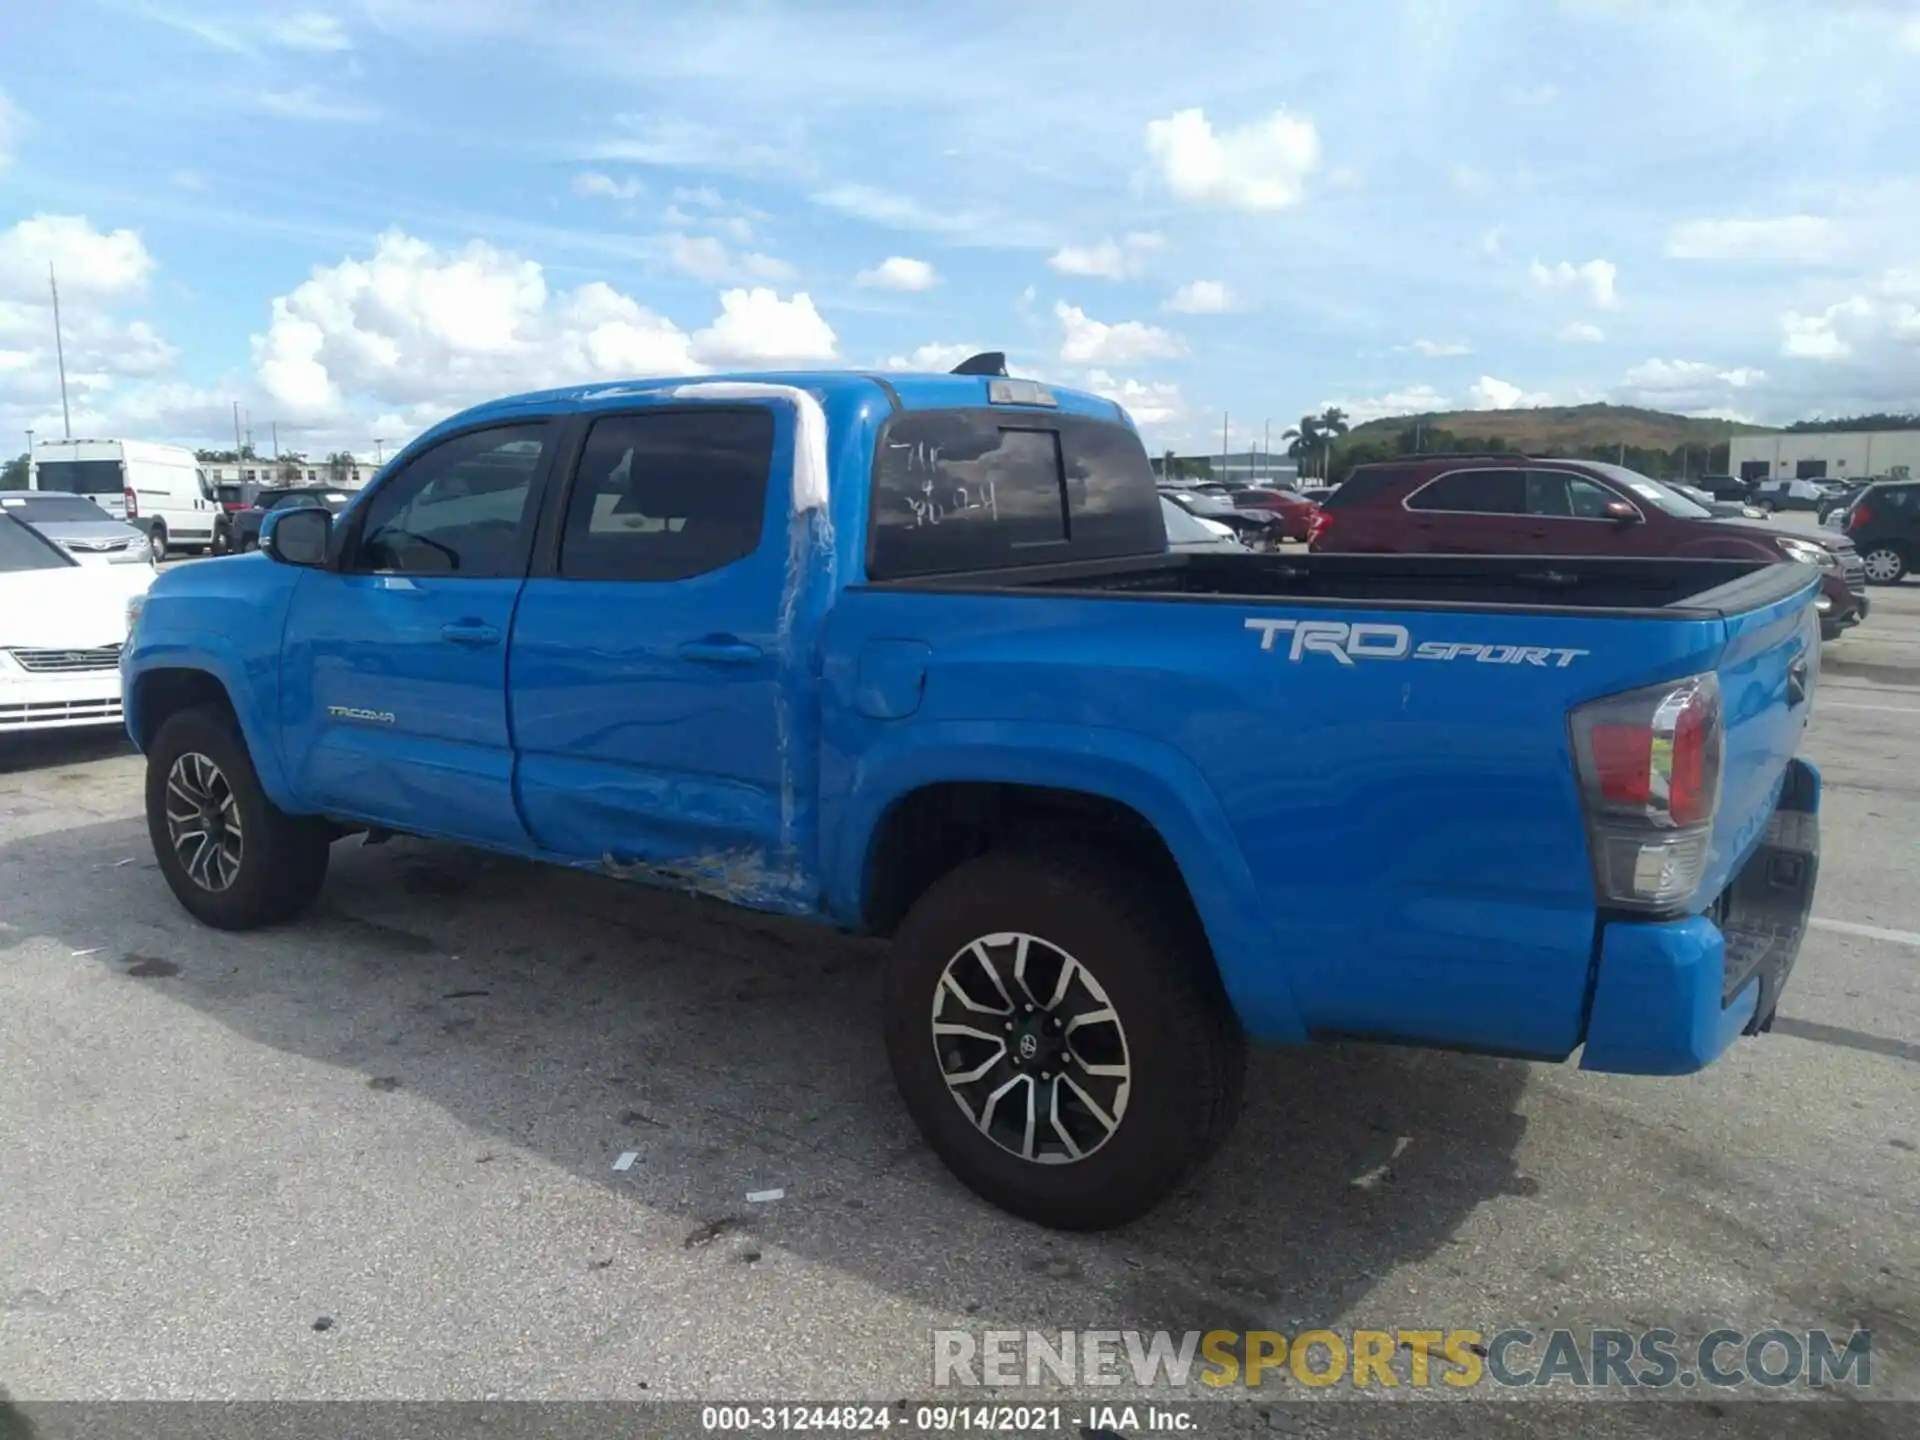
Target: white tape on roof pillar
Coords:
[(809, 437)]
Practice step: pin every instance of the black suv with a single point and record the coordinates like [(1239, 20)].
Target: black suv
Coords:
[(1884, 525)]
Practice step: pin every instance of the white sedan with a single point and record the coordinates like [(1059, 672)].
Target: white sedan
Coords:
[(61, 628)]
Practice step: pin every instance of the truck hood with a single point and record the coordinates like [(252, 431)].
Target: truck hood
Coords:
[(77, 607)]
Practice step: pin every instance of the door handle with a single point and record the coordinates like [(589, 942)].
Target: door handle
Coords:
[(1797, 676), (721, 650), (470, 633)]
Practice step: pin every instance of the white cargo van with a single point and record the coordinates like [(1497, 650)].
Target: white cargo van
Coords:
[(159, 488)]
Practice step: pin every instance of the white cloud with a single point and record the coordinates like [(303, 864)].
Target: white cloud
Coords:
[(1108, 260), (757, 328), (1597, 277), (1802, 239), (897, 212), (899, 272), (188, 180), (1414, 400), (422, 332), (762, 150), (1202, 297), (701, 256), (1469, 181), (1086, 341), (1438, 349), (1149, 402), (1490, 393), (90, 263), (1879, 326), (1691, 387), (110, 360), (10, 125), (1581, 333), (311, 32), (1910, 34), (1493, 243), (705, 258), (308, 102), (594, 183), (1260, 166), (933, 358)]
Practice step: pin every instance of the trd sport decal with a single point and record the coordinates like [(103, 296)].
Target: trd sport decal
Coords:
[(1348, 643)]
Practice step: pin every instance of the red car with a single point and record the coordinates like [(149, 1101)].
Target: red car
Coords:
[(1296, 512), (1514, 505)]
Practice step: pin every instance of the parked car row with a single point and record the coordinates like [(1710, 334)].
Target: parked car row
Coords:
[(1513, 505)]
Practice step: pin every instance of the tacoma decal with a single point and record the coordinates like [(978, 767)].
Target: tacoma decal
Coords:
[(1347, 643), (348, 712)]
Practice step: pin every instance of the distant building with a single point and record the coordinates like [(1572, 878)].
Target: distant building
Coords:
[(1247, 465), (264, 470), (1828, 455)]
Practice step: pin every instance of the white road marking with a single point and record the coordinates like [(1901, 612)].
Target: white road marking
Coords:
[(1866, 932), (1889, 709)]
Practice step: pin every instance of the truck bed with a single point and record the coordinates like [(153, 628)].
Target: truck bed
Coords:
[(1667, 588)]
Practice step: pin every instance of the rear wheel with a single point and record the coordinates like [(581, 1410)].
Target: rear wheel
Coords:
[(157, 542), (233, 858), (1060, 1038), (1884, 565)]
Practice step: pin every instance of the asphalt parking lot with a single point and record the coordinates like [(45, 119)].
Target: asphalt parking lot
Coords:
[(402, 1116)]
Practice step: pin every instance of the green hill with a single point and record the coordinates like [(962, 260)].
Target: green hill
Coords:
[(1562, 428)]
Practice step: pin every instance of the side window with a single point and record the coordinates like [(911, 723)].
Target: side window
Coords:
[(1476, 492), (1567, 496), (1547, 494), (668, 496), (460, 508)]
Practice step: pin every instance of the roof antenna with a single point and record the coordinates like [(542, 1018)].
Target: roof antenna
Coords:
[(987, 362)]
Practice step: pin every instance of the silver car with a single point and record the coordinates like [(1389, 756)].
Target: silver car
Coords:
[(79, 527)]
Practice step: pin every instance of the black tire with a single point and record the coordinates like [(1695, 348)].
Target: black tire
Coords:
[(281, 859), (1183, 1050), (157, 542), (249, 543), (222, 541), (1885, 564), (1767, 505), (1831, 630)]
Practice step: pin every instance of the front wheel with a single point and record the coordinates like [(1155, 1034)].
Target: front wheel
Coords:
[(1884, 565), (233, 858), (1059, 1036)]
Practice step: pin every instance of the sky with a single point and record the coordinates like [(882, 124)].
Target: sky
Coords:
[(354, 217)]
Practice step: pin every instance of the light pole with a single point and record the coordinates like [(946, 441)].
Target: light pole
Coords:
[(29, 457), (60, 350)]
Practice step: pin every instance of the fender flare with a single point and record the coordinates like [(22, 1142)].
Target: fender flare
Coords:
[(1149, 777), (199, 652)]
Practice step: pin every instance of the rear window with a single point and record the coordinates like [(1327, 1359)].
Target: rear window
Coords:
[(957, 490), (1474, 492), (80, 477), (21, 549), (1360, 487), (51, 509)]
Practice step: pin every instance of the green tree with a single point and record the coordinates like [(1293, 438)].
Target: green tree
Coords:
[(1302, 442), (340, 467), (1330, 424), (13, 475)]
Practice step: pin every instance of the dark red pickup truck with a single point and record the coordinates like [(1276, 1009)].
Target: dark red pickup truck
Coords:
[(1516, 505)]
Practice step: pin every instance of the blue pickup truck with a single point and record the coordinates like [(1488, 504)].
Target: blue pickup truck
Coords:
[(910, 655)]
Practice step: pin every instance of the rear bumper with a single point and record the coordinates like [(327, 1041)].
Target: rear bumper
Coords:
[(1670, 998), (1843, 596)]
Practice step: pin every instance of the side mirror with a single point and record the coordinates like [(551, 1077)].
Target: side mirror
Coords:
[(297, 536), (1621, 511)]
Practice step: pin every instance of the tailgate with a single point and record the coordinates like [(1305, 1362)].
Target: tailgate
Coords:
[(1767, 671)]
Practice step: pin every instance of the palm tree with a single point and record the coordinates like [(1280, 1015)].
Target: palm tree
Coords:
[(1330, 423), (1301, 440)]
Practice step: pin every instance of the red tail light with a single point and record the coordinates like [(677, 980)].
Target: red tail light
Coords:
[(1649, 769), (1317, 525), (133, 505), (1861, 514)]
